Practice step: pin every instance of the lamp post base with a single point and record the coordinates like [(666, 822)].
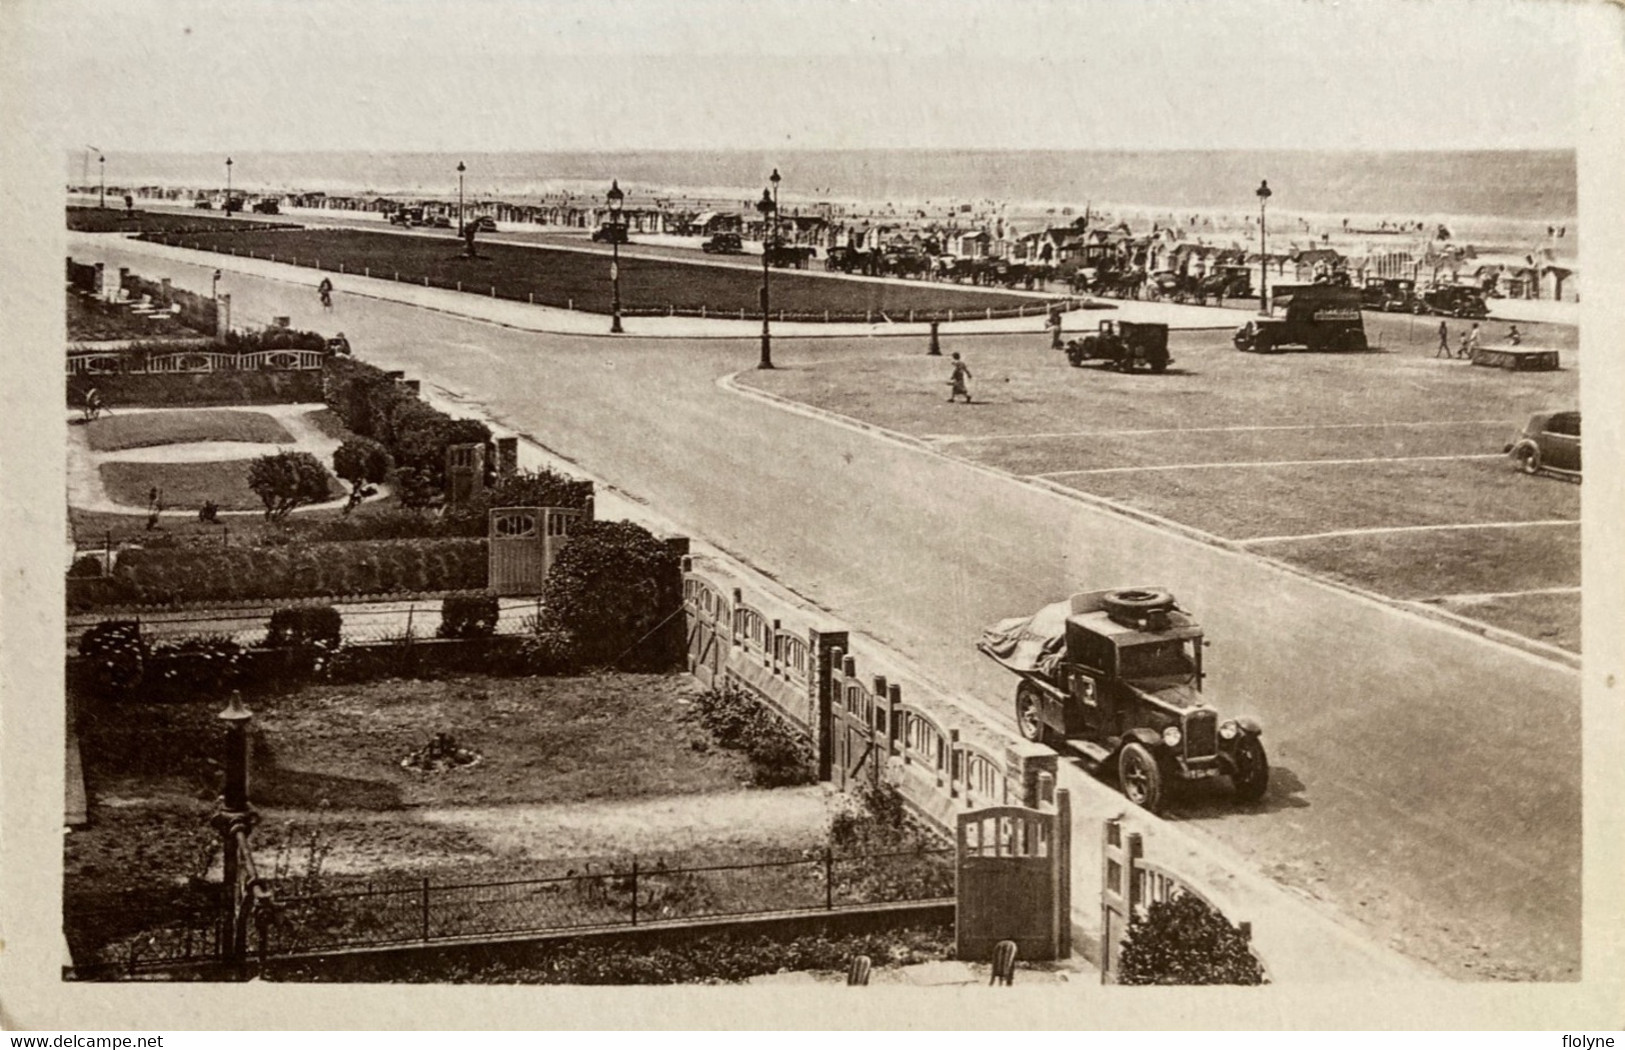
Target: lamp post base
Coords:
[(767, 354), (615, 325)]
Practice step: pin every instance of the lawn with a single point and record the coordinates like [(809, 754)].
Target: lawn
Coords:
[(132, 429), (117, 220), (187, 485), (91, 321), (557, 277), (1550, 618)]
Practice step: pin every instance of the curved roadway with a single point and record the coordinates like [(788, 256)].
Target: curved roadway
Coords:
[(1428, 781)]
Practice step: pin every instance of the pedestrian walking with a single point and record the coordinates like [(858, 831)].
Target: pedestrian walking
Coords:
[(1054, 326), (957, 380), (1444, 341), (1471, 342), (325, 290)]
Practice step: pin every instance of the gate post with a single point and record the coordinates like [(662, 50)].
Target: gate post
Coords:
[(824, 648), (1061, 850)]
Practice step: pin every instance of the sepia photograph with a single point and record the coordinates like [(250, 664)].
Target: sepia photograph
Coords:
[(845, 507)]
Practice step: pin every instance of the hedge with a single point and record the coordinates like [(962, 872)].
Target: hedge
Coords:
[(373, 405), (297, 570), (199, 388)]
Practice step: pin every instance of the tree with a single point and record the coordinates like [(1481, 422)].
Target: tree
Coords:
[(1184, 940), (287, 480), (362, 462), (612, 587)]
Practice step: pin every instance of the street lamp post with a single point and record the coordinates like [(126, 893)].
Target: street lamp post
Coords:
[(1263, 257), (616, 199), (102, 160), (460, 170), (214, 287), (768, 207), (228, 185)]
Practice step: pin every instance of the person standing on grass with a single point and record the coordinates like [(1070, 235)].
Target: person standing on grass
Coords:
[(1444, 341), (957, 381), (1471, 342)]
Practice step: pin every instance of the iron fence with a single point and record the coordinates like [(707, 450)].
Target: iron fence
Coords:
[(626, 896)]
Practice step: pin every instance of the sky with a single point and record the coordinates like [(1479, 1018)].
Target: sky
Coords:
[(808, 74)]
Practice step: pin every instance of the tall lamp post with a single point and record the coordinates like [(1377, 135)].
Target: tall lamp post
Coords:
[(228, 185), (1263, 257), (102, 160), (616, 198), (768, 207), (460, 170)]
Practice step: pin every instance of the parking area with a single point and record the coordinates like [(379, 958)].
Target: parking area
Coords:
[(1382, 470)]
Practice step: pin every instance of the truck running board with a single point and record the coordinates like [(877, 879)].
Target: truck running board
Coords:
[(1088, 749)]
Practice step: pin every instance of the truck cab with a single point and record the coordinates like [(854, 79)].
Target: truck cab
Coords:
[(1115, 678), (1313, 316)]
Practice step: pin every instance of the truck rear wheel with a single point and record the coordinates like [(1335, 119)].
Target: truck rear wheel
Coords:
[(1252, 775), (1140, 776), (1030, 713)]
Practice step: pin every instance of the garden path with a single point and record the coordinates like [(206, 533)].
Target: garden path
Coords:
[(609, 828)]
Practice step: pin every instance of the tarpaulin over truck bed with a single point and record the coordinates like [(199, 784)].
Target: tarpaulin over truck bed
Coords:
[(1033, 643)]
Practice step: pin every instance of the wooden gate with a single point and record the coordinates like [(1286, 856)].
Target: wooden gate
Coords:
[(708, 612), (1014, 880), (522, 542)]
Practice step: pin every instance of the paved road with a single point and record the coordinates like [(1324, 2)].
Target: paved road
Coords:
[(1427, 782)]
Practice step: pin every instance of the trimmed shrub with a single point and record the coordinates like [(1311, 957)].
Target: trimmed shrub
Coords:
[(286, 480), (86, 566), (469, 616), (304, 625), (362, 462), (616, 588), (297, 570), (117, 654), (1183, 940)]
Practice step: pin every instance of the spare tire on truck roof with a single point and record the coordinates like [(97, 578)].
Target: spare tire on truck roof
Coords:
[(1137, 601)]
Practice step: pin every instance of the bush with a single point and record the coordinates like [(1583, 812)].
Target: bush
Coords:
[(545, 488), (469, 616), (86, 566), (362, 462), (779, 754), (118, 656), (300, 626), (286, 480), (297, 570), (549, 649), (614, 586), (1183, 940), (208, 666), (371, 404)]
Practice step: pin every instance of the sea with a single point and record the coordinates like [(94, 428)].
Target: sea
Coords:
[(1495, 195)]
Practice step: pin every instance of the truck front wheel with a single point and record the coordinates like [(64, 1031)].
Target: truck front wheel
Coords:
[(1140, 776), (1030, 713), (1252, 775)]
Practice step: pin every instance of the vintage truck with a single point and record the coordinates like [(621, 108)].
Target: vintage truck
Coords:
[(1313, 316), (1123, 345), (1115, 678)]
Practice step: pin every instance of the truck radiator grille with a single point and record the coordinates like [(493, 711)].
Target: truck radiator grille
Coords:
[(1201, 734)]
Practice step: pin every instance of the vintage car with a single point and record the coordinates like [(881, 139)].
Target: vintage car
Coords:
[(1549, 443), (1391, 295), (723, 244), (1454, 300), (1123, 345), (1115, 678), (482, 224), (611, 233)]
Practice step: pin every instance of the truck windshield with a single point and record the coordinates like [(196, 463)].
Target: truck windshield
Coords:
[(1170, 659)]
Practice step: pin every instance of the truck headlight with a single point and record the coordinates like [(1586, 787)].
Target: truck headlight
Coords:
[(1172, 736), (1228, 729)]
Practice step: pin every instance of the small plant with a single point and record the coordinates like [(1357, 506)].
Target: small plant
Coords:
[(118, 654), (440, 754), (469, 616), (308, 625), (205, 666), (779, 754), (1184, 940)]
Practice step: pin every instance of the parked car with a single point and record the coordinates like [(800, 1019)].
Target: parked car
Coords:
[(1391, 295), (1548, 443), (1123, 345), (482, 224), (611, 233), (723, 244), (204, 203), (439, 222), (1456, 301)]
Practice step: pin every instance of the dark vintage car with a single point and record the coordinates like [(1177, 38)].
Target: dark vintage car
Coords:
[(1390, 295), (482, 224), (1456, 301), (723, 244), (203, 202), (1548, 443), (611, 233)]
